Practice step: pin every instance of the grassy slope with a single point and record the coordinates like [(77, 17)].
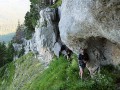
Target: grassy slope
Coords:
[(17, 74), (27, 74), (63, 75), (6, 76)]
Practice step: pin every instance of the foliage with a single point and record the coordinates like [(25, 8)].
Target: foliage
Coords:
[(57, 4), (10, 52), (6, 76), (63, 75), (57, 71), (6, 53), (18, 38), (60, 75), (21, 52), (34, 1), (28, 33), (3, 53), (15, 75), (31, 19), (32, 16)]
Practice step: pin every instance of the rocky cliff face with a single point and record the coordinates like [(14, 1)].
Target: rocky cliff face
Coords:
[(46, 34), (94, 25), (45, 41), (89, 24)]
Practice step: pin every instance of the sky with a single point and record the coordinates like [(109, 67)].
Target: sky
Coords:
[(12, 11)]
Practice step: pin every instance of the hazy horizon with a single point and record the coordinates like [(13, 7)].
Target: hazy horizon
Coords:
[(12, 11)]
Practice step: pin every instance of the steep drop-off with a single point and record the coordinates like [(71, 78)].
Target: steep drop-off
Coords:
[(19, 73)]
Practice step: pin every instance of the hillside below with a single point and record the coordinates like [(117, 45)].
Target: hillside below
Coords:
[(27, 73)]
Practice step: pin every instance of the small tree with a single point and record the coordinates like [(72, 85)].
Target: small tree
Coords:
[(21, 52), (10, 52), (3, 57), (32, 16), (19, 34)]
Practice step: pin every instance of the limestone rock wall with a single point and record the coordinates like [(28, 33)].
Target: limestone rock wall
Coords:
[(94, 25), (46, 37), (45, 34), (89, 24)]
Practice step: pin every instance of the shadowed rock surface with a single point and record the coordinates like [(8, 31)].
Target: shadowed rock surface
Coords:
[(95, 25)]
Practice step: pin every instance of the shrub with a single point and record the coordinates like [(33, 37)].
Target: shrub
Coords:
[(57, 4), (6, 75)]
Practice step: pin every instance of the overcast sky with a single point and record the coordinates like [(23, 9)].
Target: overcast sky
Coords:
[(10, 12)]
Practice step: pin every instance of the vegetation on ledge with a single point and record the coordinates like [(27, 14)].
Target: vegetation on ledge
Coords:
[(27, 73), (57, 4), (63, 75), (6, 53), (15, 75)]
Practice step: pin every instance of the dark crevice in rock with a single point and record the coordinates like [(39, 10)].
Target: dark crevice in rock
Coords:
[(103, 50), (97, 44), (56, 22)]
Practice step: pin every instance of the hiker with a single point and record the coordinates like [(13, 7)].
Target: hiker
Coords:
[(82, 58)]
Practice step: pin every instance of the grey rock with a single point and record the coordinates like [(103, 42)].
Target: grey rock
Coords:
[(92, 24), (44, 38), (57, 49), (17, 47), (59, 11)]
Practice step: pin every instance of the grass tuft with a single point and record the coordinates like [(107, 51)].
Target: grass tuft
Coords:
[(57, 4)]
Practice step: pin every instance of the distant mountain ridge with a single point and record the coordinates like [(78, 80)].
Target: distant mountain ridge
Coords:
[(6, 38)]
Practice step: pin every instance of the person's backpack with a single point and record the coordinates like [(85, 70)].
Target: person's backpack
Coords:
[(81, 57), (81, 62), (86, 57)]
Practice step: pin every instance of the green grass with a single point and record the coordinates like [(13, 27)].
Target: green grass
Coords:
[(27, 73), (63, 75), (19, 73), (57, 4), (51, 78), (6, 75)]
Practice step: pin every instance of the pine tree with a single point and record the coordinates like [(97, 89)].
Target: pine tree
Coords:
[(19, 34), (10, 52), (3, 57)]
